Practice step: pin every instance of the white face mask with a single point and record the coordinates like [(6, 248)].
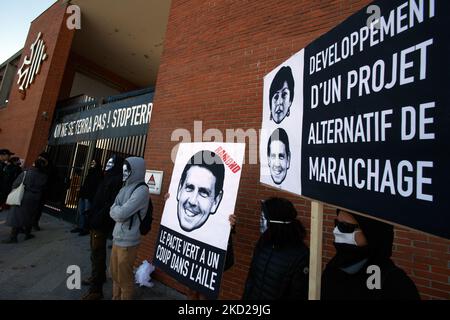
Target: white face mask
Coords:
[(348, 238), (262, 223), (109, 164), (126, 172)]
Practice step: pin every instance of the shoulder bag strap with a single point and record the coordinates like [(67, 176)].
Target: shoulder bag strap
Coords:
[(24, 175), (139, 216)]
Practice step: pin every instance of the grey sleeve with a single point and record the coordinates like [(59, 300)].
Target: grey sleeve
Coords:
[(137, 202)]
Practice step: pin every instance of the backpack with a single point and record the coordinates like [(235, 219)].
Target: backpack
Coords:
[(146, 223)]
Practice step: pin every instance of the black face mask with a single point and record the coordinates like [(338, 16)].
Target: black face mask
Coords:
[(349, 254)]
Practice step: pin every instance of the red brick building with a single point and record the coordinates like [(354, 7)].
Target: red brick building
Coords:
[(215, 55)]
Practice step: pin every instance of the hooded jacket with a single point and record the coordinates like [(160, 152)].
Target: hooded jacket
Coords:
[(395, 283), (128, 203)]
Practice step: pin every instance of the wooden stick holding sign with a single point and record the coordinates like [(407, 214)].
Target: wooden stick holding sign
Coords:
[(315, 259)]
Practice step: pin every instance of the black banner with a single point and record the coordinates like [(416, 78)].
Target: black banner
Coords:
[(125, 118), (377, 115), (193, 263)]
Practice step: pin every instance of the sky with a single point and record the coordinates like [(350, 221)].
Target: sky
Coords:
[(15, 19)]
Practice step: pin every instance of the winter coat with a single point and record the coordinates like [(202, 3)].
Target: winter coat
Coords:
[(130, 202), (395, 284), (98, 215), (55, 185), (35, 182), (91, 183), (3, 195), (278, 273)]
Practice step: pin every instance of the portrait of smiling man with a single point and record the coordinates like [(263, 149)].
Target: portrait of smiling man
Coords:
[(279, 155), (200, 190)]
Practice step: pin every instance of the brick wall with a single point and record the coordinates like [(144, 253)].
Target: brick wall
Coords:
[(216, 53), (22, 129)]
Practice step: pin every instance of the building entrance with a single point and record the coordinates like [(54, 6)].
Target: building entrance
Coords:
[(71, 154)]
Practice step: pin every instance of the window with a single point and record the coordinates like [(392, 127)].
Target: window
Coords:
[(8, 71)]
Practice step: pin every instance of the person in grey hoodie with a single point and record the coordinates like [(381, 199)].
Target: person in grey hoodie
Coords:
[(131, 201)]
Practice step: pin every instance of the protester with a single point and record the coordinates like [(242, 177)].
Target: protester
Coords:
[(12, 170), (22, 216), (87, 193), (101, 224), (279, 268), (6, 176), (362, 242), (131, 201), (50, 187)]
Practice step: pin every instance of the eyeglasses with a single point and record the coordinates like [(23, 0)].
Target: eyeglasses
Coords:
[(345, 227)]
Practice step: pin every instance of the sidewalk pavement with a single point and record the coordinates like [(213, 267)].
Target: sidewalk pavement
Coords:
[(36, 269)]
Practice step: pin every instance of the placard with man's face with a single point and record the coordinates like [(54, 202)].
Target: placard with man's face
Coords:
[(193, 237)]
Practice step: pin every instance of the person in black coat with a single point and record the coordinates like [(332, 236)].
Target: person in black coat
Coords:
[(87, 193), (22, 216), (101, 224), (16, 167), (51, 188), (11, 170), (360, 243), (280, 264)]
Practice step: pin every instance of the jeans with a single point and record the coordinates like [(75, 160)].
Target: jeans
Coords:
[(83, 205)]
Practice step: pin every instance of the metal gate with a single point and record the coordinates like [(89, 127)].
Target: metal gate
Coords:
[(72, 161)]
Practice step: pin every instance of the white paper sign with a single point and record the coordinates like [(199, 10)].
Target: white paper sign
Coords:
[(154, 180), (282, 119)]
